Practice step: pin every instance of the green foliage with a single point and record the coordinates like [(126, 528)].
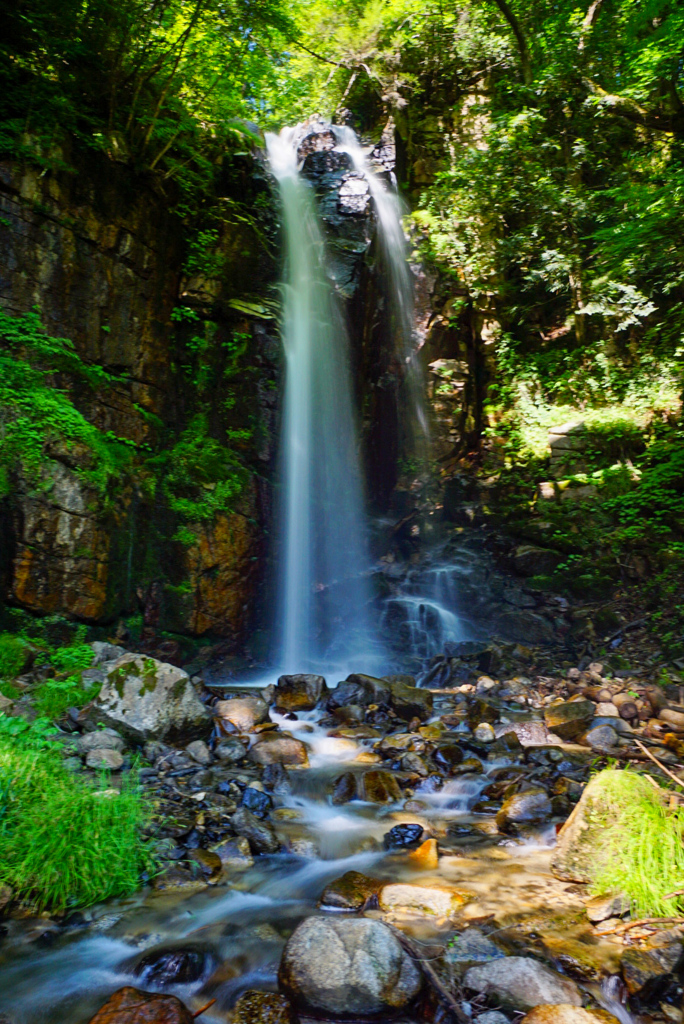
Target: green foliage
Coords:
[(54, 697), (61, 844), (200, 475), (12, 656), (646, 843), (40, 419)]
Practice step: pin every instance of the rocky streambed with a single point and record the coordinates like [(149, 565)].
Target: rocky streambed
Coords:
[(364, 849)]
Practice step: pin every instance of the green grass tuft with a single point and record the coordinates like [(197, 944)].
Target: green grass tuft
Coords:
[(646, 843), (61, 845)]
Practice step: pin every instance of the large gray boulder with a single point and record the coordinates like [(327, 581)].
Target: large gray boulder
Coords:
[(346, 966), (521, 983), (145, 699)]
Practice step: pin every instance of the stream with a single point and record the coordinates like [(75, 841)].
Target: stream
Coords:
[(239, 928)]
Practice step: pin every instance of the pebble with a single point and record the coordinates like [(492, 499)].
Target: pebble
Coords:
[(484, 733)]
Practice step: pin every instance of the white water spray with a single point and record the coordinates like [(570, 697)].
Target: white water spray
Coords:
[(322, 596)]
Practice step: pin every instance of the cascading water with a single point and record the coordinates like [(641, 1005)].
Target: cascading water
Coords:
[(388, 209), (322, 593)]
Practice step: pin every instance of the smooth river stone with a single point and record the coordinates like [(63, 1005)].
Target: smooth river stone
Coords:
[(433, 900)]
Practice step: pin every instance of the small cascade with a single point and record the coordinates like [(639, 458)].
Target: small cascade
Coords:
[(389, 211), (321, 589)]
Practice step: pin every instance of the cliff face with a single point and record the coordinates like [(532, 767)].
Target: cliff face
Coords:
[(101, 257)]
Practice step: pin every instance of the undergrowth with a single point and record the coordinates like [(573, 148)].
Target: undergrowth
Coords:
[(63, 842), (646, 842)]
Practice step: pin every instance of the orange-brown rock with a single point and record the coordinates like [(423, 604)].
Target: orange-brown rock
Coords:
[(425, 857), (131, 1006), (564, 1013)]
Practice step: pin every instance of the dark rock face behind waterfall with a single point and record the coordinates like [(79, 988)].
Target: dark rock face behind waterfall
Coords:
[(173, 321)]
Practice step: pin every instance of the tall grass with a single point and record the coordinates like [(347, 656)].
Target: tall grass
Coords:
[(61, 845), (646, 844)]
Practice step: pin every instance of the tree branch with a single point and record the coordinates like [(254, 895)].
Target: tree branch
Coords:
[(588, 23), (516, 29), (622, 106)]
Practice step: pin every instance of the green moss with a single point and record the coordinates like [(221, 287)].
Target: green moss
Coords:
[(13, 650)]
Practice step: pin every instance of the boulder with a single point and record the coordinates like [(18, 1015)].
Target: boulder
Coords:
[(278, 748), (166, 966), (230, 749), (256, 801), (144, 699), (432, 900), (644, 969), (581, 851), (410, 701), (299, 693), (199, 752), (602, 738), (242, 712), (100, 739), (379, 787), (262, 1008), (564, 1013), (470, 947), (350, 966), (260, 835), (130, 1006), (359, 689), (529, 560), (350, 892), (569, 719), (408, 835), (521, 983), (448, 756), (527, 808), (344, 788), (235, 854), (104, 757), (104, 652)]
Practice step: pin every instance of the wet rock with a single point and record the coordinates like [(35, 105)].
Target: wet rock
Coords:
[(522, 983), (359, 689), (350, 714), (426, 857), (403, 837), (470, 766), (145, 699), (278, 748), (103, 757), (484, 733), (492, 1017), (398, 744), (242, 712), (433, 900), (305, 848), (172, 966), (344, 788), (410, 701), (299, 692), (209, 864), (100, 739), (175, 878), (229, 750), (130, 1006), (527, 808), (604, 907), (274, 778), (564, 1013), (471, 947), (569, 719), (448, 756), (350, 892), (260, 835), (256, 801), (603, 739), (379, 787), (262, 1008), (199, 752), (415, 764), (644, 969), (347, 966), (235, 854), (529, 560)]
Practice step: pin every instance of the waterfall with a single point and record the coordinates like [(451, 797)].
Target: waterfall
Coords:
[(321, 587), (394, 248)]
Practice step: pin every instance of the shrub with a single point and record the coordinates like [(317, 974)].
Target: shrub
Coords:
[(61, 844)]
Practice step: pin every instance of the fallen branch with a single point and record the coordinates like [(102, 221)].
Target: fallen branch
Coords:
[(431, 975), (199, 1012), (671, 775), (643, 921)]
